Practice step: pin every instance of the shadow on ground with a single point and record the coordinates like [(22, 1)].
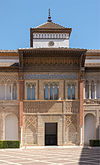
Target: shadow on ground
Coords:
[(90, 156)]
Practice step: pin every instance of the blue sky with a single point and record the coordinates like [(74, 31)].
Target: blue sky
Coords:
[(18, 16)]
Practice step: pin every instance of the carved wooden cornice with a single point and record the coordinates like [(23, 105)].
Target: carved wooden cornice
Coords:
[(9, 53), (9, 69), (50, 60)]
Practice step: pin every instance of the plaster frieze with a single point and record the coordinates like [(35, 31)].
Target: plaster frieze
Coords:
[(92, 101), (91, 107)]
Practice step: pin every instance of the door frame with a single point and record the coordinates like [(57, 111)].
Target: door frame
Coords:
[(56, 123)]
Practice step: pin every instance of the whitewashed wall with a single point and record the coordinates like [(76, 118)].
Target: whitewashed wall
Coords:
[(41, 40), (43, 43), (89, 128), (98, 89), (11, 127)]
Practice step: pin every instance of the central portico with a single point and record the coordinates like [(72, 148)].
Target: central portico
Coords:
[(51, 74), (53, 83)]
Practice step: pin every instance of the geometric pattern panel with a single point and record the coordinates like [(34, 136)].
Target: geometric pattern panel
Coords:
[(71, 119), (72, 135)]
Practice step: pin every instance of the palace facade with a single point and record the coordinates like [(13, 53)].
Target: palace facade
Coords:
[(50, 93)]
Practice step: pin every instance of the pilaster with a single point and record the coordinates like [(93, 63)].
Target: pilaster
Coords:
[(21, 95), (81, 111), (97, 125)]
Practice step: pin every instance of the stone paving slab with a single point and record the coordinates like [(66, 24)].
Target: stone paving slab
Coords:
[(50, 156)]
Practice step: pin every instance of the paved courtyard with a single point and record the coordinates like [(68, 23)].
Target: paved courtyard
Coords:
[(50, 156)]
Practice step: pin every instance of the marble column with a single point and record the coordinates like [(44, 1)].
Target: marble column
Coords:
[(81, 111), (95, 92), (5, 91), (21, 88), (89, 90), (11, 91)]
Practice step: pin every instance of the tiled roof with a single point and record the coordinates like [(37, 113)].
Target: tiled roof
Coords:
[(92, 64), (50, 25), (8, 51), (89, 51)]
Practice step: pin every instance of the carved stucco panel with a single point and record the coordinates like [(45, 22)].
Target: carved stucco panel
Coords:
[(71, 129), (31, 107), (71, 107), (70, 119), (30, 129), (8, 77)]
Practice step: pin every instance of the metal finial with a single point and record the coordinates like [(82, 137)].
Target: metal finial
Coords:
[(49, 17)]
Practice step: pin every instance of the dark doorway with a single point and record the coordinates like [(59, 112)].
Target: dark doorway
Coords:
[(50, 134)]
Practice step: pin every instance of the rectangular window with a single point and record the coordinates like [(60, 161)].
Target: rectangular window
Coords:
[(2, 92), (14, 94), (51, 92), (87, 90), (33, 92), (8, 92), (71, 91), (30, 92), (55, 92), (46, 92)]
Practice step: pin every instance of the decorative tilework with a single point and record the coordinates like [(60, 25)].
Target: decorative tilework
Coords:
[(50, 76)]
